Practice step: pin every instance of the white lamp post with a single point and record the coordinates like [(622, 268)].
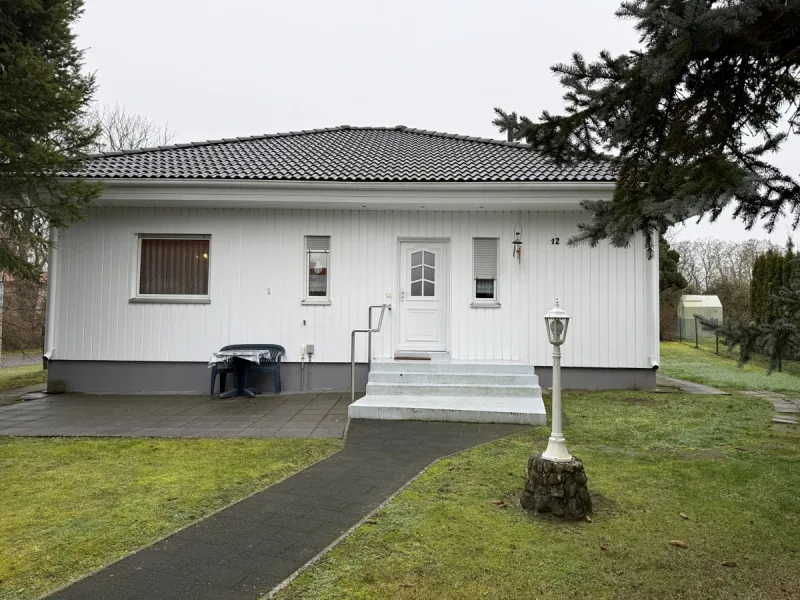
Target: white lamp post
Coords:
[(556, 321)]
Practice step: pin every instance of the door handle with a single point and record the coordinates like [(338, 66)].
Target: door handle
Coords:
[(402, 294)]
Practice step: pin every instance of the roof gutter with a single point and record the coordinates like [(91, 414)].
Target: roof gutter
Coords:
[(511, 186)]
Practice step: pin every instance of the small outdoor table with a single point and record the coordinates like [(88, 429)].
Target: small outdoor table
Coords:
[(241, 361)]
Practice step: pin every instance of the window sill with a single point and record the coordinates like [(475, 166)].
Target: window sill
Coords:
[(315, 302), (170, 300), (485, 304)]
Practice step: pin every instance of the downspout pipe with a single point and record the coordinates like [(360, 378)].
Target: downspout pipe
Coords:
[(655, 310), (52, 284)]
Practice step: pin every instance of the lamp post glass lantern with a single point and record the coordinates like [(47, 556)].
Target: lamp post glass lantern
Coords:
[(557, 323)]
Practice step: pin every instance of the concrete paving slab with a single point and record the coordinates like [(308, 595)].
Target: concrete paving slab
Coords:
[(177, 416), (784, 420), (784, 408), (13, 396), (688, 386)]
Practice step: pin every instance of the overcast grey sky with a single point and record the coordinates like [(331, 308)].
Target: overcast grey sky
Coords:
[(214, 69)]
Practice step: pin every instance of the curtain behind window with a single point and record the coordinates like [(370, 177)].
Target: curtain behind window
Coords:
[(174, 266)]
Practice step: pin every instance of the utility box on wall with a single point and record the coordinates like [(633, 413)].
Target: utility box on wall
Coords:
[(708, 307)]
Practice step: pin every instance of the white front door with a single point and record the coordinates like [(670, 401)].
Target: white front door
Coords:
[(423, 296)]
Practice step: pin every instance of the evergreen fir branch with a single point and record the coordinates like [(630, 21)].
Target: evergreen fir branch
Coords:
[(779, 340), (44, 96), (507, 123), (747, 336), (688, 120)]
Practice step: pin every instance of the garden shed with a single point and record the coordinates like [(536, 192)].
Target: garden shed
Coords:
[(708, 307)]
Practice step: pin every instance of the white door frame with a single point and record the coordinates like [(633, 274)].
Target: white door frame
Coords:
[(399, 284)]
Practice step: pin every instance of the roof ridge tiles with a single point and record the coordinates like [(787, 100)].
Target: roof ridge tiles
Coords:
[(400, 128)]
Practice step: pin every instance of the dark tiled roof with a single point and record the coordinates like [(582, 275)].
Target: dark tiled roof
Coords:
[(343, 154)]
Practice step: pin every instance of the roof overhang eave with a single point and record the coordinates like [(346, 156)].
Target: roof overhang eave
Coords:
[(473, 186)]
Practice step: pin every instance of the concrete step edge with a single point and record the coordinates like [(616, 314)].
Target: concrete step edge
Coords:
[(465, 385), (453, 373), (451, 389), (417, 367), (499, 409)]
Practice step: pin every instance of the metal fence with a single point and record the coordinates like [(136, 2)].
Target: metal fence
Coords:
[(700, 338), (710, 340), (22, 305)]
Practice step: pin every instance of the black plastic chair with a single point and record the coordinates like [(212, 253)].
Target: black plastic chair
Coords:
[(269, 362)]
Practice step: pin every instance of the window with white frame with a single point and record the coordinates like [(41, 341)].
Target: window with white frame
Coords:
[(318, 252), (173, 267), (484, 269)]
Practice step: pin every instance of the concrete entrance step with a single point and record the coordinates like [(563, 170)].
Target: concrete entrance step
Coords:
[(452, 389), (498, 409), (471, 378), (424, 366)]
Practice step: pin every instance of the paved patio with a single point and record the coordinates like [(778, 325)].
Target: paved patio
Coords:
[(246, 550), (316, 414)]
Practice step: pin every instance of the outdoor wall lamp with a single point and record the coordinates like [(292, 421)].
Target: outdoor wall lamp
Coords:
[(517, 243), (557, 321)]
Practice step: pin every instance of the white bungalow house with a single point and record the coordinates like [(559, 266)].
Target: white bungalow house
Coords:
[(290, 238)]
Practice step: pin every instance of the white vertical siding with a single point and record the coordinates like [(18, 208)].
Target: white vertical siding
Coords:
[(257, 276)]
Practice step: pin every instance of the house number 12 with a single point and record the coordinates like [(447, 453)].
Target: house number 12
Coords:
[(555, 241)]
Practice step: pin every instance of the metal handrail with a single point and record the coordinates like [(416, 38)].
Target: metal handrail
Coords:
[(369, 331)]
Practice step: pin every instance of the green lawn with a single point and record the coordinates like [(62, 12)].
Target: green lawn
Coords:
[(19, 377), (68, 506), (702, 365), (649, 458)]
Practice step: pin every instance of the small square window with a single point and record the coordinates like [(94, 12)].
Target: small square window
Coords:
[(173, 268), (484, 289)]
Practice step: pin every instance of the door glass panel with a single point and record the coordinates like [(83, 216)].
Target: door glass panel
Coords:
[(423, 274)]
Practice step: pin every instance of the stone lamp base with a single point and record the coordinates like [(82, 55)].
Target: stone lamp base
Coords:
[(558, 488)]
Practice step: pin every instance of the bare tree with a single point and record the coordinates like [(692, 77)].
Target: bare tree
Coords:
[(121, 130), (721, 268), (708, 261)]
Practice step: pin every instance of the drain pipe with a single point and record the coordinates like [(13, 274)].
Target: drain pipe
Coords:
[(52, 285)]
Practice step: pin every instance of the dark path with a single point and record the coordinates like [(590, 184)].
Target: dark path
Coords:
[(249, 548)]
